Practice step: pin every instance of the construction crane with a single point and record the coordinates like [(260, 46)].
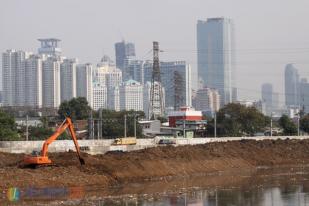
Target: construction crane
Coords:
[(41, 158)]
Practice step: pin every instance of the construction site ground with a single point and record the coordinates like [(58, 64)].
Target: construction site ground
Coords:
[(153, 164)]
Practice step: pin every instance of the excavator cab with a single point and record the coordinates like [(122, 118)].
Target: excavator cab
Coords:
[(41, 158)]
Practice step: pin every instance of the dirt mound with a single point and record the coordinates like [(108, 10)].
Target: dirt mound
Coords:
[(153, 163)]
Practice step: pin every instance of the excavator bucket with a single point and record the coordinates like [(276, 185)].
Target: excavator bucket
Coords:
[(82, 161)]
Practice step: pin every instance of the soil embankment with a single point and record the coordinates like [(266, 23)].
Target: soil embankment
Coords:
[(153, 163)]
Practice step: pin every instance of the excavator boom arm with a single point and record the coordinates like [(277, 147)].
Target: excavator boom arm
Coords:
[(66, 124)]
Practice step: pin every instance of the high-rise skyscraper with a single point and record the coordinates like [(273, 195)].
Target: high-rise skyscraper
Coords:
[(13, 77), (123, 50), (304, 95), (291, 86), (216, 56), (84, 81), (33, 81), (267, 97), (51, 82), (68, 79)]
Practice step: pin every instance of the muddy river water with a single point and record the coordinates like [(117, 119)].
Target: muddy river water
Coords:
[(261, 187)]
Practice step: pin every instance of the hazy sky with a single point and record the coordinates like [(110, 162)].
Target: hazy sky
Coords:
[(269, 33)]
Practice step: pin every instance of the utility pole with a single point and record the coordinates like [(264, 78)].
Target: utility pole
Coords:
[(91, 126), (215, 126), (184, 126), (271, 124), (134, 125), (100, 122), (298, 117), (98, 125), (27, 128), (125, 125)]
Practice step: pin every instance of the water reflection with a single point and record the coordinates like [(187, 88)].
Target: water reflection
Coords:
[(263, 187), (276, 196)]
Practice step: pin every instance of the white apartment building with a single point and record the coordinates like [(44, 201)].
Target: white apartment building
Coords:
[(68, 79), (114, 99), (99, 96), (33, 81), (131, 96), (13, 77), (207, 99), (84, 82), (108, 75), (51, 82)]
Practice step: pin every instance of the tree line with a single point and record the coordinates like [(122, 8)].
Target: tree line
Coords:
[(231, 120)]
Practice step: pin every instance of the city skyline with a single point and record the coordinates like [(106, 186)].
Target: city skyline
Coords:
[(262, 51)]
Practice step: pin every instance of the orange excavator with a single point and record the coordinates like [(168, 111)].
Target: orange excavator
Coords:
[(41, 158)]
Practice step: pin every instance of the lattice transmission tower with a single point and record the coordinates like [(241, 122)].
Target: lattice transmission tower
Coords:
[(156, 108)]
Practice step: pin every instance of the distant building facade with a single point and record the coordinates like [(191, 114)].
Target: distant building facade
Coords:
[(131, 96), (304, 95), (51, 82), (216, 56), (207, 99), (33, 81), (68, 79), (99, 96), (123, 50), (13, 77), (291, 86), (84, 85), (267, 97), (176, 81), (134, 69), (108, 76)]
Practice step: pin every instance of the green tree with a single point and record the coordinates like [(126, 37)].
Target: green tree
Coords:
[(8, 130), (238, 120), (76, 109), (289, 128), (113, 123), (304, 123)]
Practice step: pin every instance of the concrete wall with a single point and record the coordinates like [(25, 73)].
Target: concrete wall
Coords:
[(103, 146)]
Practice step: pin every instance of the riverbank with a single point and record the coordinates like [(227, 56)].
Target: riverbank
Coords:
[(160, 163)]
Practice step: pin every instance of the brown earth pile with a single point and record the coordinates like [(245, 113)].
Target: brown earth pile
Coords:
[(153, 163)]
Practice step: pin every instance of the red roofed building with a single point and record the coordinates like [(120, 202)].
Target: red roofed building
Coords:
[(185, 113)]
